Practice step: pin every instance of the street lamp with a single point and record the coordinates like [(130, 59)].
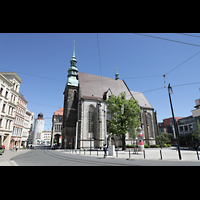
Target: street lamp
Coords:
[(175, 125)]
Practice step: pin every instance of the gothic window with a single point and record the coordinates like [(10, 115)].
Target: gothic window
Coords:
[(91, 119), (149, 124)]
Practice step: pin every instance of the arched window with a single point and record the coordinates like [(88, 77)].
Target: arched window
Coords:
[(91, 119), (149, 124)]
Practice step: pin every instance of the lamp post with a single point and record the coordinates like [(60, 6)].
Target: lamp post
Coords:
[(175, 125)]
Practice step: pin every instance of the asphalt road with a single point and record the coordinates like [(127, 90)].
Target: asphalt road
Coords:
[(48, 157)]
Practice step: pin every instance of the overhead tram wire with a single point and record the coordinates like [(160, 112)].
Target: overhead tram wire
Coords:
[(153, 76), (185, 84), (167, 39), (186, 34), (99, 61), (33, 75), (182, 63), (164, 75)]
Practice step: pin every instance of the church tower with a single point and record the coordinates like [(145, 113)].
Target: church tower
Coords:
[(70, 104), (38, 128)]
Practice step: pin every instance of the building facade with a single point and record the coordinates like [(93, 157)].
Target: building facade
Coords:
[(18, 126), (196, 112), (28, 127), (57, 121), (9, 92), (12, 111), (186, 125), (84, 103)]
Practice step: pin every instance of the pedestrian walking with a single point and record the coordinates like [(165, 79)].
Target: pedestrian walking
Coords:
[(105, 150)]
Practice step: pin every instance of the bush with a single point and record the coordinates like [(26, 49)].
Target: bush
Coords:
[(129, 146), (156, 146), (164, 138)]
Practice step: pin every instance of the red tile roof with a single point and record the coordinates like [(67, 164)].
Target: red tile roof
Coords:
[(59, 112)]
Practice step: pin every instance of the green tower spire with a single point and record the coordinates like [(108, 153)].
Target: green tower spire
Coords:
[(72, 78), (116, 75)]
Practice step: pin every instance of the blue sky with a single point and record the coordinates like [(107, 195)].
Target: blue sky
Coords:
[(49, 54)]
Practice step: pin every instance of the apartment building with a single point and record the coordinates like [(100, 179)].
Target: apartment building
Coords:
[(28, 127), (9, 92), (16, 138)]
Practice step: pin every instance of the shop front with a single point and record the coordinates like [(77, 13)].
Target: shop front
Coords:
[(15, 142)]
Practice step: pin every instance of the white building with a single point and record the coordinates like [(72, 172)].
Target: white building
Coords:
[(9, 92), (38, 129), (57, 121), (45, 137), (17, 139), (196, 112), (28, 126)]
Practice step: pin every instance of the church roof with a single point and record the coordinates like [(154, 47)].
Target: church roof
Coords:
[(59, 112), (93, 86), (142, 101)]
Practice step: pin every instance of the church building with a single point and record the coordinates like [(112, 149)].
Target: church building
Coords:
[(85, 102)]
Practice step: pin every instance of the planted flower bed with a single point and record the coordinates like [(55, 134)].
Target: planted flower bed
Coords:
[(148, 146)]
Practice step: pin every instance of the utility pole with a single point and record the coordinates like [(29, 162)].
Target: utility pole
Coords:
[(175, 125)]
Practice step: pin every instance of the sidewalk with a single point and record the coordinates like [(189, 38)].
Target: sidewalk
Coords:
[(5, 158), (169, 153)]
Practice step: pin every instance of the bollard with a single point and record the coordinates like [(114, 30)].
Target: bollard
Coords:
[(161, 154), (197, 154), (116, 153), (144, 153), (84, 151), (129, 153), (97, 152)]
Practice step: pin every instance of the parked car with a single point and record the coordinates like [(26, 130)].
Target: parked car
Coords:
[(1, 150)]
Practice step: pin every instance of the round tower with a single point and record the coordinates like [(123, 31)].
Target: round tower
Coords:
[(38, 128)]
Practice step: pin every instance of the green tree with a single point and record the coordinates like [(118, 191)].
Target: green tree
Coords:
[(196, 134), (125, 115), (198, 129)]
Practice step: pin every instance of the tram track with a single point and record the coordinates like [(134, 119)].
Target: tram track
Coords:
[(78, 160)]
